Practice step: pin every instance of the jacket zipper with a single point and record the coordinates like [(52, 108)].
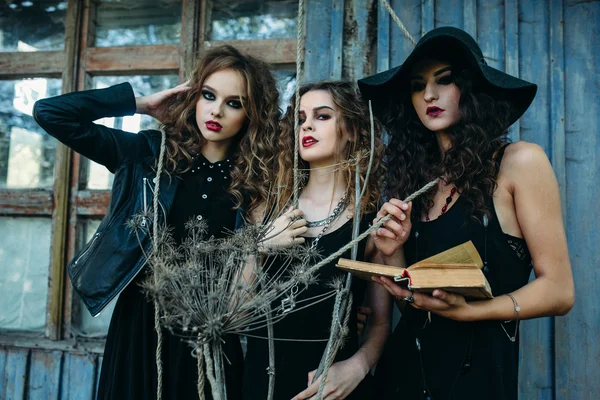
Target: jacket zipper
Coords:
[(148, 184), (90, 247)]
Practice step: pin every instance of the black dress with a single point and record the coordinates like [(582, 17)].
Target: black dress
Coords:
[(446, 359), (129, 365), (295, 359)]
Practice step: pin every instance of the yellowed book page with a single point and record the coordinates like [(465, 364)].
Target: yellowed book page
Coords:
[(438, 277), (465, 253), (366, 270)]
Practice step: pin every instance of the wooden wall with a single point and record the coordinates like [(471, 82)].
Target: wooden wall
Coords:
[(554, 43)]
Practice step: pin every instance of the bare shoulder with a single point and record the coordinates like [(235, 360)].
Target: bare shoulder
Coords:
[(522, 159), (524, 154)]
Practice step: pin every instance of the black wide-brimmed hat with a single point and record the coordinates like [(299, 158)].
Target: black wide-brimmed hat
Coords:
[(460, 49)]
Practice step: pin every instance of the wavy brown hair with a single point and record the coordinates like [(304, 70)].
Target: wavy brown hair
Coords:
[(254, 148), (353, 118), (414, 157)]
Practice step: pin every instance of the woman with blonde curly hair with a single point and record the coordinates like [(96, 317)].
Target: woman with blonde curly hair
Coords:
[(334, 135), (218, 141)]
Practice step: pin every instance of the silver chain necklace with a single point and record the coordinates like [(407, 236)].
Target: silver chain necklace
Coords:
[(289, 302), (341, 205)]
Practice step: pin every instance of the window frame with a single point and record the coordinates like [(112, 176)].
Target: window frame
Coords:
[(69, 201)]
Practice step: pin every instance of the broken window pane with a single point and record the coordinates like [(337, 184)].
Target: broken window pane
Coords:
[(138, 22), (249, 19), (24, 265), (84, 324), (98, 177), (27, 153), (286, 84), (32, 25)]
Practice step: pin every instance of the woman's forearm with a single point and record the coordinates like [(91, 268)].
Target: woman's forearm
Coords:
[(540, 298)]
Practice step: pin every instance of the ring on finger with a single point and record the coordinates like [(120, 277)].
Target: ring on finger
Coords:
[(409, 299)]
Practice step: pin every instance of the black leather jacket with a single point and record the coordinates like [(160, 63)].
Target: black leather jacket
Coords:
[(112, 259)]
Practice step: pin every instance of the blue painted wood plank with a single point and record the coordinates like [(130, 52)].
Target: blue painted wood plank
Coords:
[(557, 100), (336, 39), (383, 38), (79, 377), (470, 17), (3, 355), (98, 371), (449, 13), (490, 31), (537, 340), (44, 375), (535, 67), (409, 12), (511, 60), (427, 16), (361, 57), (15, 373), (558, 159), (578, 351), (317, 60)]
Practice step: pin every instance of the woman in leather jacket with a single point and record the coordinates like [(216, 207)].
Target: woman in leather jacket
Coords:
[(218, 139)]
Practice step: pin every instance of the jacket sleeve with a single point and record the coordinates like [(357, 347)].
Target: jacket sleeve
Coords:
[(69, 118)]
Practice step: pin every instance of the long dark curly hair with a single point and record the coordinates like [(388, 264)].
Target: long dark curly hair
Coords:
[(414, 157), (254, 147), (353, 117)]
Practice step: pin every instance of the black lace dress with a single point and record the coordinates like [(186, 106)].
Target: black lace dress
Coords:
[(129, 366)]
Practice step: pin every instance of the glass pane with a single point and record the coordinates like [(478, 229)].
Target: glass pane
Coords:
[(27, 153), (248, 19), (85, 325), (24, 265), (32, 25), (138, 22), (99, 178), (286, 84)]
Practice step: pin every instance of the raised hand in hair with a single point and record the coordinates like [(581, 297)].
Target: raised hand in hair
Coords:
[(155, 105)]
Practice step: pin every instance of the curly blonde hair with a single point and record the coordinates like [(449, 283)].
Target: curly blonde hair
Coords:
[(353, 117), (254, 147)]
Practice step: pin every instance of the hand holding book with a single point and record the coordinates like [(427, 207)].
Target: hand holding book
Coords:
[(457, 270)]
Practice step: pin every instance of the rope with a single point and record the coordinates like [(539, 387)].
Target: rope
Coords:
[(329, 351), (210, 372), (159, 336), (201, 380), (371, 153), (398, 22), (271, 369), (299, 59), (338, 335)]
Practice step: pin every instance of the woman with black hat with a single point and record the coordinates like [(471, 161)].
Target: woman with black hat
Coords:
[(447, 113)]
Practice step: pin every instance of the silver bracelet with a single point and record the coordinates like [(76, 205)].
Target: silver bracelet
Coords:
[(514, 318)]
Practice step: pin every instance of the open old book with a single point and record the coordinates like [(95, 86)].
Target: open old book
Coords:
[(457, 270)]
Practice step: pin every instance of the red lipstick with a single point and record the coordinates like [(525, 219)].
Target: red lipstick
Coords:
[(213, 126), (308, 141), (434, 111)]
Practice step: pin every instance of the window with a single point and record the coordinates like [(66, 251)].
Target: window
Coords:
[(51, 199), (31, 47)]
